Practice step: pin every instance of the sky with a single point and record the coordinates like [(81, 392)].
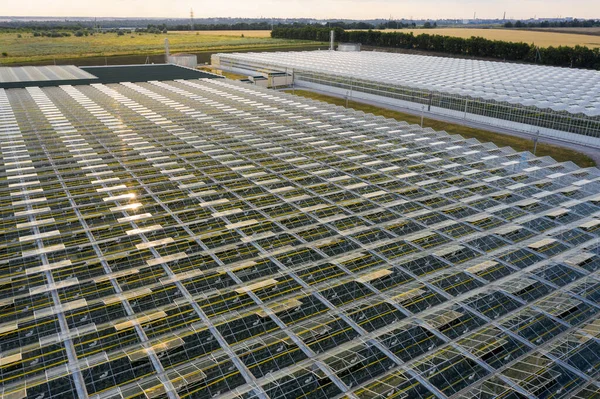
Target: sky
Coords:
[(323, 9)]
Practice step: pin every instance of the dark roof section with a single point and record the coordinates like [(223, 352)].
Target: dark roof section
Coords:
[(121, 73), (145, 73)]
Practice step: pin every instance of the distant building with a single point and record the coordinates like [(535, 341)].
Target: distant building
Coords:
[(347, 47), (185, 60)]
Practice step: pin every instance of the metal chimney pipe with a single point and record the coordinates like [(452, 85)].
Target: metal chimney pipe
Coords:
[(332, 40), (167, 52)]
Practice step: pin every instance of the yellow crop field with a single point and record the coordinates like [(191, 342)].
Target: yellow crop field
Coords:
[(580, 31), (542, 39)]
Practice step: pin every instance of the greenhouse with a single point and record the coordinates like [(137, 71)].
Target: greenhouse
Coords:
[(561, 103), (209, 239)]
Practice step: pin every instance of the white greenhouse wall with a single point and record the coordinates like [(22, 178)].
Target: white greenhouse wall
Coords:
[(544, 132)]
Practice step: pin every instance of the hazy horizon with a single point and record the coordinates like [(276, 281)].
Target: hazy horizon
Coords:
[(340, 9)]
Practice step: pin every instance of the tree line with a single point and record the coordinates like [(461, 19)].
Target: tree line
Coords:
[(267, 25), (236, 26), (183, 26), (576, 23), (564, 56)]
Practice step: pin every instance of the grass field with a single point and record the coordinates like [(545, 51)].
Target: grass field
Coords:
[(542, 39), (28, 48), (501, 140)]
